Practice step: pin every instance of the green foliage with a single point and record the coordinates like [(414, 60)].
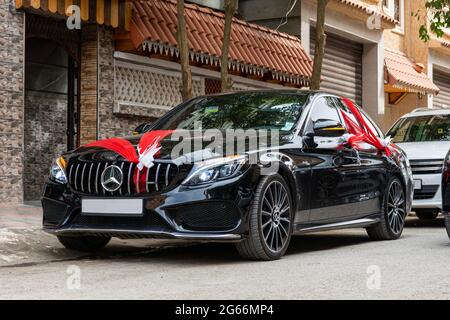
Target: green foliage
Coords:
[(438, 16)]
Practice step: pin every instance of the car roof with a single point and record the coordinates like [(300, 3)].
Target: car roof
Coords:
[(270, 91), (427, 112)]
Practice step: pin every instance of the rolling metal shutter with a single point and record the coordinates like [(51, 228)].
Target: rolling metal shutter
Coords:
[(442, 80), (342, 66)]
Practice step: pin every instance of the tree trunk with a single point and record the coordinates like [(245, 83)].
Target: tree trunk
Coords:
[(320, 45), (186, 75), (230, 7)]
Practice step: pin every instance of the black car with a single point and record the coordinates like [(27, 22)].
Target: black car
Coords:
[(446, 192), (308, 180)]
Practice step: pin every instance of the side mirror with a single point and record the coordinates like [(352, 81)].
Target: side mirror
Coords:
[(141, 128), (328, 128)]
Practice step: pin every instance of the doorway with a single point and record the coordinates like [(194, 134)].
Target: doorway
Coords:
[(51, 107)]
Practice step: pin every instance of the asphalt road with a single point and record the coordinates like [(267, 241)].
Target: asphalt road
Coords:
[(330, 265)]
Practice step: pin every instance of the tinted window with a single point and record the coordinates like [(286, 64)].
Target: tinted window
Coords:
[(324, 109), (252, 110), (421, 128)]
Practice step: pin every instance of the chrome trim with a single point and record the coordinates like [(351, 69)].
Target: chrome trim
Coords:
[(138, 189), (176, 235), (167, 174), (121, 168), (146, 180), (89, 178), (82, 177), (96, 178), (156, 176), (76, 173), (129, 177), (345, 224), (70, 176)]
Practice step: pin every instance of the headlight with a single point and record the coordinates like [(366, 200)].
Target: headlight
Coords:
[(58, 170), (218, 169)]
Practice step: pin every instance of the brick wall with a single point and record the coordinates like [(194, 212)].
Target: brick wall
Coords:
[(12, 48), (45, 138)]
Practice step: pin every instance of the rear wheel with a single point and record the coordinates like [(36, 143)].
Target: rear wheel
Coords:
[(84, 243), (393, 213), (271, 217), (426, 214), (447, 225)]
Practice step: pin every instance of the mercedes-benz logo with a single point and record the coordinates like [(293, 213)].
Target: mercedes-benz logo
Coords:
[(112, 178)]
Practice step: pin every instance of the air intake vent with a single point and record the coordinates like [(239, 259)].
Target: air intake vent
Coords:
[(427, 166)]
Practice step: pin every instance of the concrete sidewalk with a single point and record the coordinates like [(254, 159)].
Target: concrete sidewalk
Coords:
[(23, 242), (23, 216)]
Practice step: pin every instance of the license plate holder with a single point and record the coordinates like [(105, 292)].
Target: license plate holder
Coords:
[(112, 207)]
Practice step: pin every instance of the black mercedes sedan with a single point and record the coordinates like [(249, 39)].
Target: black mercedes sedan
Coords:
[(446, 192), (252, 168)]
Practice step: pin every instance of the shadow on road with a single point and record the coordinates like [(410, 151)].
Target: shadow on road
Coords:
[(220, 253), (414, 222)]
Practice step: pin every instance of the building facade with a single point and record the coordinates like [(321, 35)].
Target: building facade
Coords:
[(63, 86)]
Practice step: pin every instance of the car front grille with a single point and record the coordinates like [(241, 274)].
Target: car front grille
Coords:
[(432, 166), (85, 177), (427, 192)]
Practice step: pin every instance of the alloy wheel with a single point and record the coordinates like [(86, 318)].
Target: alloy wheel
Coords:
[(275, 216), (396, 207)]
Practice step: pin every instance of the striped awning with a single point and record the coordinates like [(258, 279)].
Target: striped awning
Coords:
[(113, 13)]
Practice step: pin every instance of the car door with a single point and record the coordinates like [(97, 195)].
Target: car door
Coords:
[(335, 192), (373, 170)]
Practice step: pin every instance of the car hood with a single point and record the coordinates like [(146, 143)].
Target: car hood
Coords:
[(425, 150), (170, 149)]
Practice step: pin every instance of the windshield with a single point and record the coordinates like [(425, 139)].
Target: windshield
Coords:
[(421, 129), (238, 111)]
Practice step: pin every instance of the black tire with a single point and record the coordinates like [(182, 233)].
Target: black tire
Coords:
[(426, 214), (84, 243), (269, 232), (447, 225), (393, 214)]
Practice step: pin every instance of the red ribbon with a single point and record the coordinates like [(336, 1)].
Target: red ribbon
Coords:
[(361, 132), (125, 149)]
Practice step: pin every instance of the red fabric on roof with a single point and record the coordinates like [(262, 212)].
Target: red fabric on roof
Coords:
[(254, 49), (402, 73)]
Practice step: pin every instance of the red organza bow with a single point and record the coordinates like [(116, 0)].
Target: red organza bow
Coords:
[(361, 132), (125, 148)]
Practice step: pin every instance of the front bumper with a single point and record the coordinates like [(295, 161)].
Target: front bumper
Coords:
[(432, 201), (130, 234), (216, 212)]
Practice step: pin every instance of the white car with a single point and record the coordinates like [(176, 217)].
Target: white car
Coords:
[(424, 135)]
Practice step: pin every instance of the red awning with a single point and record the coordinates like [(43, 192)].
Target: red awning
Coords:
[(254, 49), (404, 73)]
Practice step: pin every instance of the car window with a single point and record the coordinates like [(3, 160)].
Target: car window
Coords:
[(343, 107), (421, 128), (324, 109)]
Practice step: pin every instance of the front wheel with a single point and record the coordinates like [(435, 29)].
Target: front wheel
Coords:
[(84, 243), (393, 213), (270, 225)]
